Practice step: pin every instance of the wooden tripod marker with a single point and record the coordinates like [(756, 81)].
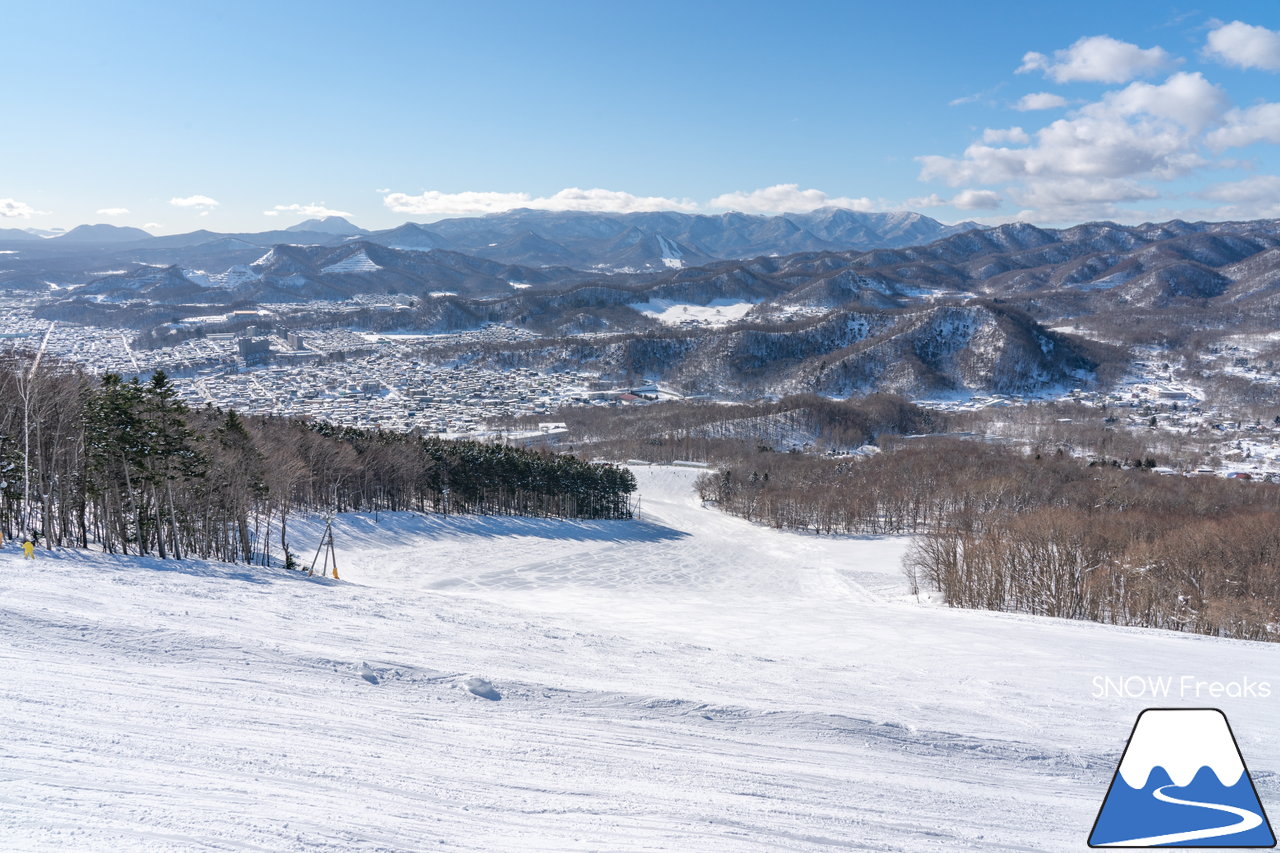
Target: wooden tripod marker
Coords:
[(326, 546)]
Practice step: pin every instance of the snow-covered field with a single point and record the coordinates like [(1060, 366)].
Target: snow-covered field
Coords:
[(685, 682), (719, 312)]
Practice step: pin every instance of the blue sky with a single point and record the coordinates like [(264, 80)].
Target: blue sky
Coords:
[(246, 116)]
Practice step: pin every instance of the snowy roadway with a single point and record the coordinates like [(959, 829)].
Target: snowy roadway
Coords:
[(686, 682)]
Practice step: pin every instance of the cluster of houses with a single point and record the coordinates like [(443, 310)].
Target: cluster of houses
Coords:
[(383, 390), (1157, 397), (407, 381)]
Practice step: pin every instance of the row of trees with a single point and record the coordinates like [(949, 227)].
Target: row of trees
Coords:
[(126, 464), (1046, 534), (707, 431)]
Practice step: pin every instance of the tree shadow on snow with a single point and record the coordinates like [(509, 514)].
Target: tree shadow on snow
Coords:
[(122, 563), (351, 529)]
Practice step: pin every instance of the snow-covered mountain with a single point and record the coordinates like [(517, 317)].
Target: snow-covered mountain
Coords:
[(648, 241), (328, 225), (967, 347), (291, 273), (410, 236), (17, 235), (162, 285), (102, 234)]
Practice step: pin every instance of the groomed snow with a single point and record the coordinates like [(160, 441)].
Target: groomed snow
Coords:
[(356, 262), (684, 682), (719, 312)]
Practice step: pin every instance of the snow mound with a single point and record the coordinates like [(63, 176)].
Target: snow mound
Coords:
[(369, 674), (477, 686)]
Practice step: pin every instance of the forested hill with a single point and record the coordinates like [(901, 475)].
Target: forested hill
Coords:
[(128, 466)]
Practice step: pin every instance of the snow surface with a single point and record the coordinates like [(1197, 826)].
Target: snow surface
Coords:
[(235, 276), (356, 262), (672, 257), (719, 312), (683, 682)]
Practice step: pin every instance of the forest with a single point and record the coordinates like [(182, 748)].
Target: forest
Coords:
[(695, 429), (126, 465), (1107, 540)]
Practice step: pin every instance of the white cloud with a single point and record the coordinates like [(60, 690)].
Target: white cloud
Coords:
[(198, 202), (976, 200), (1098, 59), (1260, 123), (1040, 101), (11, 208), (1067, 193), (963, 200), (786, 198), (977, 97), (1244, 46), (435, 203), (1141, 130), (151, 226), (1257, 188), (930, 200), (1188, 99), (1256, 197), (311, 210), (1012, 135), (1264, 187), (1080, 200), (1101, 155), (113, 211)]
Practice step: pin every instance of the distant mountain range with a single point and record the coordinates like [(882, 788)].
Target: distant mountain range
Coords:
[(639, 242), (969, 309), (602, 242), (1073, 272), (1087, 268), (290, 273)]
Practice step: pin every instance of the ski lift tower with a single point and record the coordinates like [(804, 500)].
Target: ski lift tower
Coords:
[(326, 548)]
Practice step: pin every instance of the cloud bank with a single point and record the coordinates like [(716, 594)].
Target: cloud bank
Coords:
[(786, 198), (313, 210), (1098, 59), (11, 208), (470, 203), (1244, 46), (1130, 142), (195, 202)]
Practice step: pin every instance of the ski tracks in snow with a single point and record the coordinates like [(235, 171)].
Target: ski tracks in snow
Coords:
[(685, 682)]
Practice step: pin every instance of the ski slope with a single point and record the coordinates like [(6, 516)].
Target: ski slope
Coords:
[(683, 682)]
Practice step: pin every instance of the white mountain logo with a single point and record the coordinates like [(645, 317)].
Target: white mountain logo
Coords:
[(1182, 783)]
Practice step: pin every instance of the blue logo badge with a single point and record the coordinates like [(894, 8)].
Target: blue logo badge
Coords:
[(1182, 783)]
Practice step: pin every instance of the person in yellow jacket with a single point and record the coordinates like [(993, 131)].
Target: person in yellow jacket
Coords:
[(28, 550)]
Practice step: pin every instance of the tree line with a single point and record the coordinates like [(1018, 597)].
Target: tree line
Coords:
[(127, 465), (704, 430), (1043, 533)]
